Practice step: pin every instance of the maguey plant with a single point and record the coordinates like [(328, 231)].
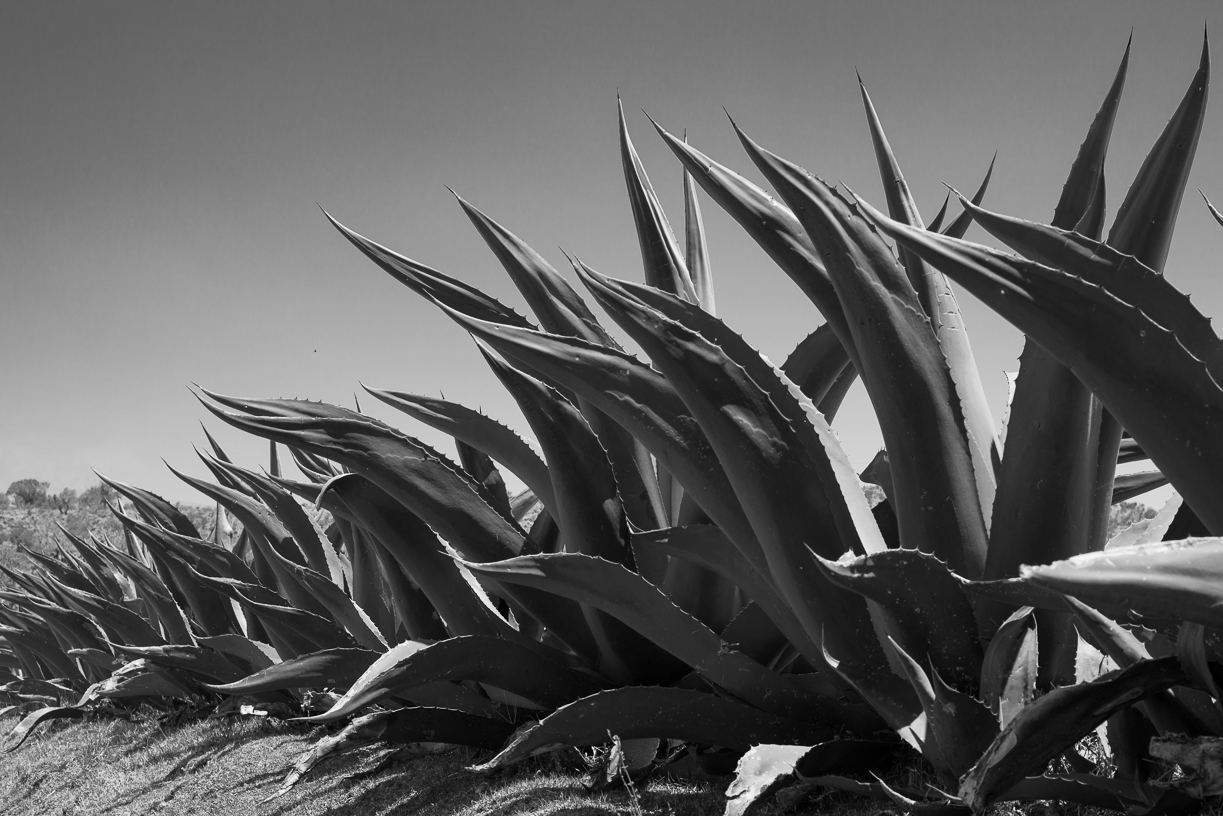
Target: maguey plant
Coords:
[(694, 572)]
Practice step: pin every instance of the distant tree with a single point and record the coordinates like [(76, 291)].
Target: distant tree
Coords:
[(30, 491), (65, 500)]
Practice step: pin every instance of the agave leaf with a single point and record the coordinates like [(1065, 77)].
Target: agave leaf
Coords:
[(923, 733), (32, 720), (96, 657), (415, 612), (933, 620), (1140, 370), (660, 253), (481, 432), (1143, 228), (209, 610), (642, 400), (319, 556), (154, 508), (52, 644), (1121, 274), (1164, 710), (245, 549), (963, 221), (257, 656), (428, 484), (494, 661), (708, 546), (810, 432), (764, 764), (432, 284), (1178, 580), (330, 668), (1056, 721), (777, 451), (102, 575), (1130, 451), (1020, 592), (60, 571), (236, 589), (225, 477), (417, 549), (936, 223), (29, 664), (963, 726), (459, 600), (1009, 669), (752, 633), (1043, 509), (817, 365), (315, 468), (562, 311), (201, 661), (558, 307), (151, 587), (641, 606), (938, 301), (1131, 485), (1218, 216), (831, 403), (482, 468), (665, 713), (217, 451), (200, 554), (140, 678), (1146, 218), (257, 519), (588, 507), (341, 608), (303, 632), (367, 615), (758, 771), (696, 248), (42, 646), (904, 370), (88, 564), (1191, 651), (413, 473), (68, 625), (274, 542), (772, 225), (118, 622), (1148, 530)]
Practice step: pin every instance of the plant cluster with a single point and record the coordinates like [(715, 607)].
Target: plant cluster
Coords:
[(694, 572)]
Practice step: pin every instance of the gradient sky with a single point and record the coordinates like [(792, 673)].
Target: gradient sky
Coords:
[(160, 166)]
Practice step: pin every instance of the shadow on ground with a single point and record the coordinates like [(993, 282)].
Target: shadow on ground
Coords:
[(115, 767)]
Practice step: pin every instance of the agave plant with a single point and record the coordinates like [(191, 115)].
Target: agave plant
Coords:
[(693, 558)]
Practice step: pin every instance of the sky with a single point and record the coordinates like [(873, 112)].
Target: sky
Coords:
[(162, 166)]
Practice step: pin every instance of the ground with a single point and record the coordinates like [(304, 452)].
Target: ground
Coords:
[(116, 767)]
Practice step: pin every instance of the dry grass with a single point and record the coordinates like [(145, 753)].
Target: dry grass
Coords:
[(119, 767), (102, 766)]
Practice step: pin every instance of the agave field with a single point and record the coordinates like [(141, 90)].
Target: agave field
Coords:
[(694, 574)]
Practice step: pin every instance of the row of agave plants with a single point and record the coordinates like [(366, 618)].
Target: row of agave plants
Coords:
[(694, 571)]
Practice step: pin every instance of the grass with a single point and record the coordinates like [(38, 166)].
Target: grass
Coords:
[(119, 767)]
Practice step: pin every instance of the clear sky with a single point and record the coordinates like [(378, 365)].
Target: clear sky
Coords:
[(160, 165)]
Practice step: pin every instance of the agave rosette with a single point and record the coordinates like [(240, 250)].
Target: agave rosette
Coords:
[(693, 558)]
